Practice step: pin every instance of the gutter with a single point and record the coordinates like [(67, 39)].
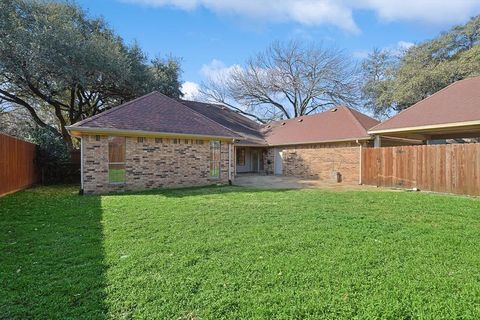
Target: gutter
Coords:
[(230, 164), (77, 132), (428, 127), (319, 142), (360, 182), (81, 165)]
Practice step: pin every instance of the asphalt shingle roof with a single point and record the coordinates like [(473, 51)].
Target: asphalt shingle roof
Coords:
[(247, 128), (156, 112), (458, 102), (336, 124)]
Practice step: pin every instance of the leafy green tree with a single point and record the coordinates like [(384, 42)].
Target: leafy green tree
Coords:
[(53, 56), (378, 71), (52, 149), (422, 70)]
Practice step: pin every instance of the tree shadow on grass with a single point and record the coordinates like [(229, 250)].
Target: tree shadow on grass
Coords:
[(52, 262)]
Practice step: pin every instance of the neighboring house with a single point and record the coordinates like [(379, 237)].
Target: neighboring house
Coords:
[(155, 141), (451, 113)]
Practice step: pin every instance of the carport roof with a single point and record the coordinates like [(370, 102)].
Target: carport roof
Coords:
[(457, 105)]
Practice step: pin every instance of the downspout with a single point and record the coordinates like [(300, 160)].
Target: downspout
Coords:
[(230, 163), (360, 175), (81, 165)]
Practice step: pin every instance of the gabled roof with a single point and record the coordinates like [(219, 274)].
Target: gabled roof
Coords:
[(456, 104), (155, 113), (247, 128), (337, 124)]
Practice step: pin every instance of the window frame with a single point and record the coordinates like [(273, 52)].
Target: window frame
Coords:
[(117, 163), (240, 161), (214, 171)]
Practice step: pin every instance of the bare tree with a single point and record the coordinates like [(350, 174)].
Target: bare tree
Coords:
[(287, 80)]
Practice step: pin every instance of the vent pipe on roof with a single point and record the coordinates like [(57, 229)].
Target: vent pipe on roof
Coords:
[(334, 110), (300, 120)]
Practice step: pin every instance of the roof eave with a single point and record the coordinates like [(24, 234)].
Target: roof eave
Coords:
[(427, 127), (79, 131), (320, 142), (251, 145)]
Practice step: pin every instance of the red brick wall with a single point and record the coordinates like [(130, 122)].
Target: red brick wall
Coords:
[(151, 165), (320, 161)]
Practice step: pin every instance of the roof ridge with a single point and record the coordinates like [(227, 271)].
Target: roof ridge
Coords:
[(222, 106), (418, 102), (273, 122), (211, 120), (79, 123), (358, 114), (148, 95), (357, 122)]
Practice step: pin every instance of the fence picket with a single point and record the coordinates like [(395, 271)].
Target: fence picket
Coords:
[(442, 168), (17, 164)]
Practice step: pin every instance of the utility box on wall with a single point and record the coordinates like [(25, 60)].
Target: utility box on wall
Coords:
[(337, 176)]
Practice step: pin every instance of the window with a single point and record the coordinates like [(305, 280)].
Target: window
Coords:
[(240, 156), (175, 141), (199, 141), (140, 139), (158, 140), (215, 159), (186, 141), (97, 138), (116, 160)]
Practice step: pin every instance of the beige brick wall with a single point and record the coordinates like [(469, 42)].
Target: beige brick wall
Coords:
[(319, 161), (268, 161), (151, 165)]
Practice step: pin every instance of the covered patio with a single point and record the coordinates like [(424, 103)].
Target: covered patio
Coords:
[(451, 115), (250, 159)]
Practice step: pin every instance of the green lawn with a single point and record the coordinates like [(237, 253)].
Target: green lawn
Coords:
[(232, 253)]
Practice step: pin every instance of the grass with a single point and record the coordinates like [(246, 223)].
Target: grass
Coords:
[(233, 253)]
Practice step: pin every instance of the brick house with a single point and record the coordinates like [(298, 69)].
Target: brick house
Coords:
[(155, 142)]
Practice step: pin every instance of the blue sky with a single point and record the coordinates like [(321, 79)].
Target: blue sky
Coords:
[(212, 35)]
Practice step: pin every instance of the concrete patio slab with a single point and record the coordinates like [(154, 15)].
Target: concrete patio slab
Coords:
[(282, 182)]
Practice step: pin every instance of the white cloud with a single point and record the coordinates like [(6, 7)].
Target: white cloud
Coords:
[(213, 71), (305, 12), (397, 49), (429, 11), (217, 70), (400, 47), (338, 13), (190, 90), (405, 45)]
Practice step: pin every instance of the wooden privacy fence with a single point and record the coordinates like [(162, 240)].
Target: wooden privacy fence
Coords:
[(17, 164), (453, 168)]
